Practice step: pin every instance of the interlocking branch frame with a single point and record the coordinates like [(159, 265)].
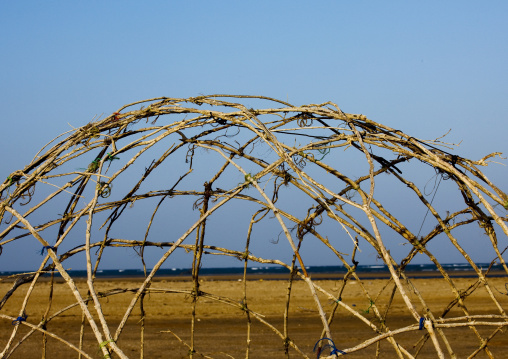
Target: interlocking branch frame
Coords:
[(298, 142)]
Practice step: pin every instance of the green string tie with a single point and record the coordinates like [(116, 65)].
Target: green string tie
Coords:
[(94, 166), (324, 152), (249, 179), (103, 344), (370, 306), (110, 157), (11, 181)]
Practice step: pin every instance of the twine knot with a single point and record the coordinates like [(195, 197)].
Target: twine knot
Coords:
[(20, 319), (110, 157), (332, 346), (46, 248)]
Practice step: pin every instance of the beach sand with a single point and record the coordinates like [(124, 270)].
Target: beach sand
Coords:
[(221, 329)]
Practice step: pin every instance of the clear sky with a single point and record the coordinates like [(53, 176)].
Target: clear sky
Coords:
[(423, 67)]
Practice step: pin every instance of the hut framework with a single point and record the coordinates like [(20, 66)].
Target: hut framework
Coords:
[(216, 152)]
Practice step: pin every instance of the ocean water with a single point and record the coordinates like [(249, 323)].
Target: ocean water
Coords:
[(375, 269)]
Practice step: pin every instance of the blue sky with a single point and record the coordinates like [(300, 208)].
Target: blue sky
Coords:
[(421, 67)]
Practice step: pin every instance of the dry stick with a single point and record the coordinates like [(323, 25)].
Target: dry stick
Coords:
[(483, 221), (288, 297), (198, 252), (22, 311), (460, 298), (253, 221), (383, 316), (480, 175), (34, 327), (46, 313), (316, 196), (355, 185), (50, 142), (142, 323), (352, 184), (62, 272), (404, 295), (196, 263), (82, 333), (142, 297), (484, 344), (189, 248), (90, 280), (271, 168), (390, 301)]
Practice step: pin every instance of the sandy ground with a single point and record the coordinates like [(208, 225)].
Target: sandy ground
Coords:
[(221, 329)]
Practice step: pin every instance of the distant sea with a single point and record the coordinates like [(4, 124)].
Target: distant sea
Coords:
[(322, 272)]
